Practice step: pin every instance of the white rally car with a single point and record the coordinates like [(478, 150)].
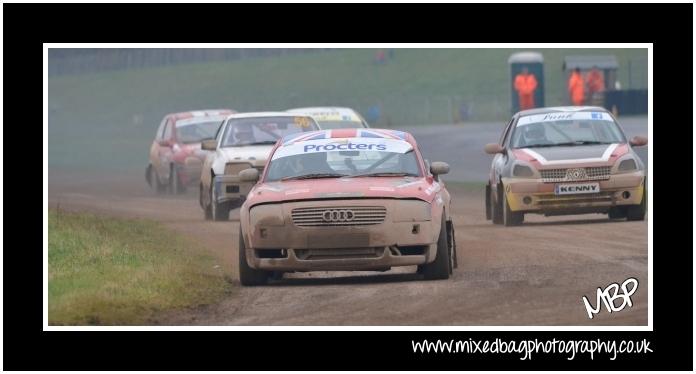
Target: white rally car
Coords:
[(243, 141)]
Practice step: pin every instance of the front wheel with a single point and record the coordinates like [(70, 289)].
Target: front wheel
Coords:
[(496, 204), (488, 202), (637, 212), (219, 211), (247, 275), (442, 266), (511, 218), (207, 212)]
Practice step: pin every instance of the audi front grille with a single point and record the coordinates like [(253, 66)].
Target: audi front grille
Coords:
[(575, 174), (339, 216)]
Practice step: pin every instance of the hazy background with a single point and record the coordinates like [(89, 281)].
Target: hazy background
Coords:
[(105, 104)]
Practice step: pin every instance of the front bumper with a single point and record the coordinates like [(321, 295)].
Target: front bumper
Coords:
[(535, 196), (278, 243), (378, 259), (231, 188)]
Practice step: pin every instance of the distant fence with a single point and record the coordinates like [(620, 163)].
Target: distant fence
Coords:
[(76, 60)]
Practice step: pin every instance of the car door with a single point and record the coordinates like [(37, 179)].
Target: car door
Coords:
[(165, 150)]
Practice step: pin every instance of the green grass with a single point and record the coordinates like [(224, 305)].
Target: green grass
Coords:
[(110, 271), (91, 115)]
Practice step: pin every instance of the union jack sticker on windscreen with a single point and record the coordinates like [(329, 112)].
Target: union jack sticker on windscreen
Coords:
[(577, 188)]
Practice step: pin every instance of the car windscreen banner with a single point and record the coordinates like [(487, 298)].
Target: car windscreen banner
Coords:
[(564, 116), (337, 145)]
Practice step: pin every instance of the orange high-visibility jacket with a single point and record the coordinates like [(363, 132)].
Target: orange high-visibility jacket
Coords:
[(525, 84), (576, 88), (595, 81)]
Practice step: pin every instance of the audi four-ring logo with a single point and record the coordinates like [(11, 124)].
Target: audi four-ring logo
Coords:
[(338, 215)]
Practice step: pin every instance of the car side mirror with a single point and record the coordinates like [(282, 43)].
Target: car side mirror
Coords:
[(493, 148), (638, 141), (209, 145), (249, 175), (439, 167), (164, 143)]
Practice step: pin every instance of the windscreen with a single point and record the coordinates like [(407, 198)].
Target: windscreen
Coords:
[(343, 157), (264, 130), (195, 132)]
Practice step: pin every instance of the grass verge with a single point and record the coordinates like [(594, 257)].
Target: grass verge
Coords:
[(112, 271)]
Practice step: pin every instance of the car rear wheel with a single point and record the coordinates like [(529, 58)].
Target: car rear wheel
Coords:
[(247, 275), (511, 218), (441, 267)]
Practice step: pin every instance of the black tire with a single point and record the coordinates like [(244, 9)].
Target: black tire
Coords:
[(247, 275), (637, 212), (452, 246), (221, 211), (207, 212), (157, 187), (496, 206), (175, 186), (441, 267), (511, 218), (489, 214)]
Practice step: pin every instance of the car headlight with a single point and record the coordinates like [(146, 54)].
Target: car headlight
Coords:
[(628, 165), (520, 170), (411, 211), (233, 168), (266, 215)]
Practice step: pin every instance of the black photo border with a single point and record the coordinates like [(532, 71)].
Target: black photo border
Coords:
[(27, 26)]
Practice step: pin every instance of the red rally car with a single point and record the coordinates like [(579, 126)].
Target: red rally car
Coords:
[(176, 157)]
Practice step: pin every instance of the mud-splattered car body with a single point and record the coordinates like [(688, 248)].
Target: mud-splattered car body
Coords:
[(176, 157), (334, 117), (220, 188), (565, 160), (349, 222)]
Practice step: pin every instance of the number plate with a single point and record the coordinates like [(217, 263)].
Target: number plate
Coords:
[(577, 188)]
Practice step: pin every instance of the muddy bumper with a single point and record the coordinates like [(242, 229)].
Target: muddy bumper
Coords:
[(341, 235), (535, 196)]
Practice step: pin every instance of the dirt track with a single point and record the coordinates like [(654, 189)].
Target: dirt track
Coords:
[(535, 274)]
